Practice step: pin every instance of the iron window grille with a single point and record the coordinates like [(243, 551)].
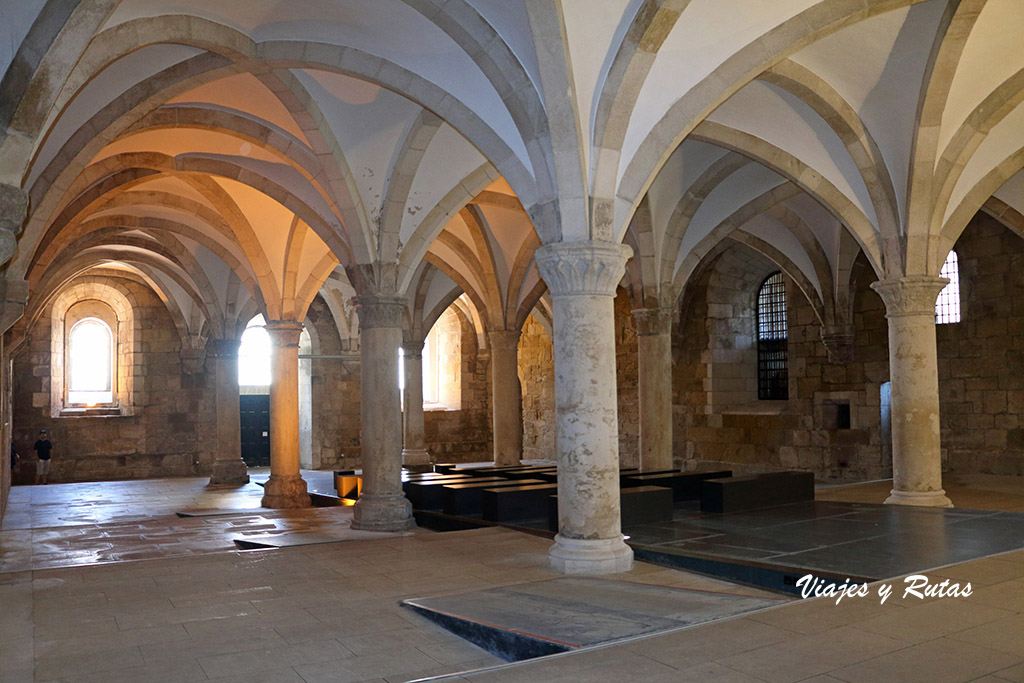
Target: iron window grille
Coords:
[(772, 352)]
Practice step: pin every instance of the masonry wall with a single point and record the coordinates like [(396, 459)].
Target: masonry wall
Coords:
[(464, 435), (172, 431), (537, 377)]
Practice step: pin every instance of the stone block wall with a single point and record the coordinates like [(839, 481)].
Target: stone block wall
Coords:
[(172, 428), (626, 368), (537, 377)]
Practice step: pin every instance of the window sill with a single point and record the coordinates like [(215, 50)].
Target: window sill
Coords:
[(98, 411)]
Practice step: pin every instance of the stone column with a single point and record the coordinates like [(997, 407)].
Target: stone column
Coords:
[(382, 506), (913, 372), (228, 467), (285, 488), (13, 209), (654, 375), (506, 397), (582, 277), (414, 451)]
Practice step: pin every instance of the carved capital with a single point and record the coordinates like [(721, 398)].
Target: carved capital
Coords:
[(13, 209), (413, 350), (650, 321), (912, 295), (503, 340), (284, 333), (380, 311), (222, 348), (838, 341), (582, 268)]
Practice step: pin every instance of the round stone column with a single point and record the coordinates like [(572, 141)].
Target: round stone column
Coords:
[(913, 373), (506, 397), (414, 451), (228, 467), (285, 488), (582, 277), (654, 374), (382, 506)]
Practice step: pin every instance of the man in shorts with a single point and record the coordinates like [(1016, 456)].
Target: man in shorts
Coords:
[(43, 448)]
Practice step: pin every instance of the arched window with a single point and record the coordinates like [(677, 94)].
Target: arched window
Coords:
[(772, 354), (90, 363), (947, 306), (254, 355)]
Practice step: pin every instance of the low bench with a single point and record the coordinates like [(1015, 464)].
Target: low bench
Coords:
[(637, 505), (467, 499), (517, 503), (531, 473), (428, 494), (734, 494), (685, 485)]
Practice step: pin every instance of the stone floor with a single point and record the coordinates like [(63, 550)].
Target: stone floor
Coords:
[(170, 599)]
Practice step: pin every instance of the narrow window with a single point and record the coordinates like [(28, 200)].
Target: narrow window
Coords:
[(254, 355), (90, 363), (772, 357), (947, 306)]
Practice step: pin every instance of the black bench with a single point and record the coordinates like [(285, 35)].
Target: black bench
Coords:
[(734, 494), (428, 494), (517, 503), (684, 485), (531, 473), (467, 499), (637, 505)]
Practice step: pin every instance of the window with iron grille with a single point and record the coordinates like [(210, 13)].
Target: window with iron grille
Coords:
[(947, 305), (772, 355)]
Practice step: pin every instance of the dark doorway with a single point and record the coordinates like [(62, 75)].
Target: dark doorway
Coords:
[(255, 409)]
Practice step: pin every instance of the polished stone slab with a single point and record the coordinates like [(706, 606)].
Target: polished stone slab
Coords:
[(524, 621)]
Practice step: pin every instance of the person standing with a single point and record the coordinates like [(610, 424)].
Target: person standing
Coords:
[(42, 448)]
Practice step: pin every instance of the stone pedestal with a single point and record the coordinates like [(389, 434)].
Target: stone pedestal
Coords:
[(228, 467), (506, 397), (382, 506), (285, 488), (414, 451), (582, 278), (654, 374), (913, 372)]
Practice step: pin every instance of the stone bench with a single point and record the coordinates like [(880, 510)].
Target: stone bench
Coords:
[(467, 499), (637, 505), (684, 485), (734, 494), (517, 503), (428, 494)]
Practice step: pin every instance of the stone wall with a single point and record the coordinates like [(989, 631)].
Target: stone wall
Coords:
[(626, 368), (981, 359), (171, 431), (463, 435), (537, 377)]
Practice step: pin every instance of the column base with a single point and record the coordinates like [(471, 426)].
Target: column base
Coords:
[(580, 556), (507, 462), (284, 492), (935, 499), (415, 456), (229, 473), (382, 513)]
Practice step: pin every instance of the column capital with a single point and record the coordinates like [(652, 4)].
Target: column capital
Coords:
[(587, 267), (380, 311), (284, 333), (652, 321), (13, 209), (838, 341), (911, 295), (223, 348), (412, 349), (507, 340)]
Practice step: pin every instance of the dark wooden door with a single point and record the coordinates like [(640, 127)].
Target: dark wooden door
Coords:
[(255, 409)]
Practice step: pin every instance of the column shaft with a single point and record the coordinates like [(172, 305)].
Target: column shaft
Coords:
[(654, 378), (913, 372), (285, 488), (414, 451), (506, 397), (582, 278), (228, 467), (382, 506)]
